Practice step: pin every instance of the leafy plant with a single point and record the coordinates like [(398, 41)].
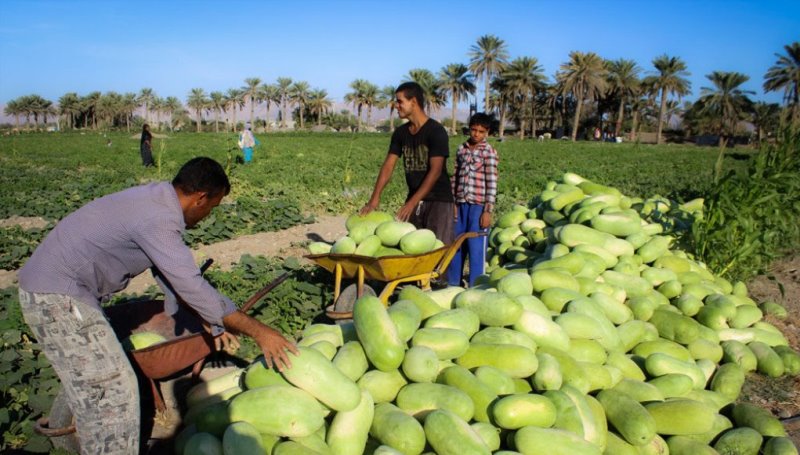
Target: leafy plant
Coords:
[(28, 383), (289, 307), (751, 217), (17, 244)]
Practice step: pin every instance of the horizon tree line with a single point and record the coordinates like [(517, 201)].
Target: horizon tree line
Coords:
[(586, 91)]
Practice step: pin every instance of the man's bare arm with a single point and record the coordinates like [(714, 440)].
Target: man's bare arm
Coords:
[(384, 176)]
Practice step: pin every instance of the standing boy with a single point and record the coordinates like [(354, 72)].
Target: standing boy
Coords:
[(422, 143), (475, 191)]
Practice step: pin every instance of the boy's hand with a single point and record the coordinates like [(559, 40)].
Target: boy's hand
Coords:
[(486, 220)]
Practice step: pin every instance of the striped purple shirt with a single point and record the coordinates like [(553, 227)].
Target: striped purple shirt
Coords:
[(475, 177), (96, 250)]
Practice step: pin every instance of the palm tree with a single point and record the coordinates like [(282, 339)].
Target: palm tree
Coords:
[(157, 106), (269, 94), (487, 57), (671, 79), (283, 84), (14, 108), (129, 105), (146, 96), (525, 77), (431, 87), (197, 100), (388, 99), (785, 75), (623, 82), (318, 103), (69, 106), (172, 105), (356, 97), (726, 102), (583, 76), (250, 92), (456, 81), (90, 102), (765, 117), (234, 101), (500, 101), (371, 99), (217, 103), (298, 94)]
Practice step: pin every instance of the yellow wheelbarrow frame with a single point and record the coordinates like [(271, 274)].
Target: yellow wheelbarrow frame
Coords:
[(393, 270)]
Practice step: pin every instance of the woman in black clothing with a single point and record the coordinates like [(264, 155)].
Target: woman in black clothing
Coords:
[(144, 146)]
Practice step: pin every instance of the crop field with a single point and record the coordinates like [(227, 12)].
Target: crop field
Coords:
[(295, 178), (48, 174)]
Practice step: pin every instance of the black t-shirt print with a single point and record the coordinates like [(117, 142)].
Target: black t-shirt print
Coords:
[(416, 150)]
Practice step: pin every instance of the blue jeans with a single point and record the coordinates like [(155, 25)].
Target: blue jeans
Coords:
[(469, 218)]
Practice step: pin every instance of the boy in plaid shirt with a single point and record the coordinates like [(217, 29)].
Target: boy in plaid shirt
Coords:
[(475, 190)]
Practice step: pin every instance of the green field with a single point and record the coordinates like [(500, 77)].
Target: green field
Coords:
[(49, 174), (298, 176)]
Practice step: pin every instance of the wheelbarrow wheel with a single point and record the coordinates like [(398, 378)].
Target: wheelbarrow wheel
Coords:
[(61, 417), (347, 299)]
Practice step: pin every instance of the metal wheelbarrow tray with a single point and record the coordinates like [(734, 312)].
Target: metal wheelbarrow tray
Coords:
[(393, 270), (189, 349)]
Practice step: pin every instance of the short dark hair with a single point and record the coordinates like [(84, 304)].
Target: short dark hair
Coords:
[(412, 90), (481, 119), (203, 175)]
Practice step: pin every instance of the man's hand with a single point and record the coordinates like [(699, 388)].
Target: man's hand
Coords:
[(405, 211), (272, 343), (226, 341), (368, 207), (274, 346)]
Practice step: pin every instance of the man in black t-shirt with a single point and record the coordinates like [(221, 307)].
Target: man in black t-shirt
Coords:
[(422, 143)]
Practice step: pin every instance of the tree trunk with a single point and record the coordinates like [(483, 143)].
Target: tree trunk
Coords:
[(634, 124), (486, 86), (283, 113), (453, 118), (252, 106), (233, 129), (300, 108), (661, 115), (266, 122), (533, 116), (359, 117), (199, 120), (579, 103), (502, 131), (620, 115), (369, 115), (216, 120)]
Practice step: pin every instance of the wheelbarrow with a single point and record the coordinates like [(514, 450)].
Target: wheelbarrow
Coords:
[(187, 346), (393, 270)]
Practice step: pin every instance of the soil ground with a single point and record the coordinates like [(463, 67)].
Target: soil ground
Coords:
[(780, 284)]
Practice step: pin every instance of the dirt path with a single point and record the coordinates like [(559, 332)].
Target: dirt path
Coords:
[(285, 243)]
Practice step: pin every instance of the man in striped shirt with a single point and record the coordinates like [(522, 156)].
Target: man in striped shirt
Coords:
[(474, 185), (93, 253)]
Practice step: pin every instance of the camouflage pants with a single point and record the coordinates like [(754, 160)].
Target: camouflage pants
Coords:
[(96, 375)]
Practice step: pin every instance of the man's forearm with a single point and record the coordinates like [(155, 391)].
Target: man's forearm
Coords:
[(272, 343)]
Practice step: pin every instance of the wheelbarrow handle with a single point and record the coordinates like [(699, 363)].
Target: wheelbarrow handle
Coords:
[(206, 265), (264, 291)]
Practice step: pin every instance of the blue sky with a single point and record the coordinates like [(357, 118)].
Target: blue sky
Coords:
[(54, 47)]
